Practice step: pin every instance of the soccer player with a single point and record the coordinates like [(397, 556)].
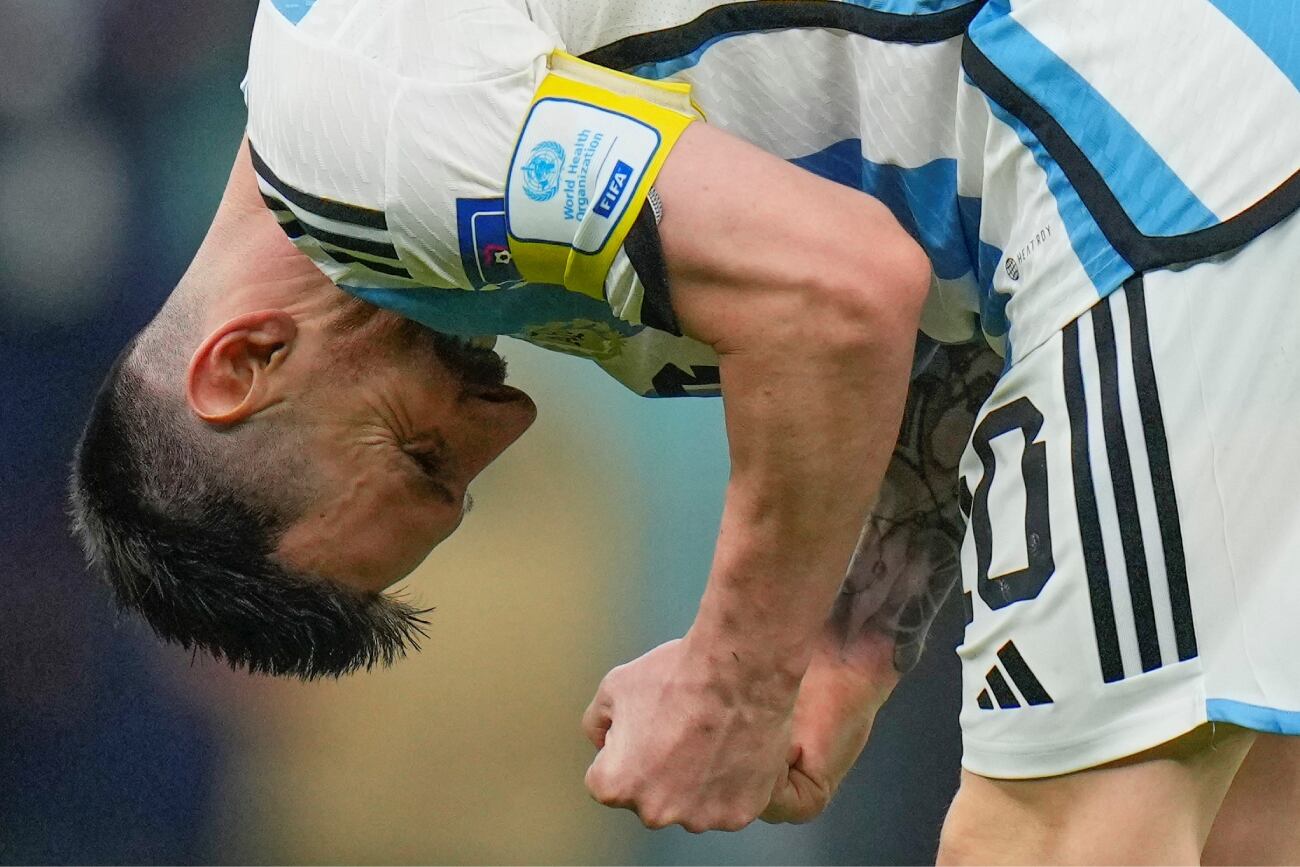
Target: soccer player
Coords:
[(486, 169)]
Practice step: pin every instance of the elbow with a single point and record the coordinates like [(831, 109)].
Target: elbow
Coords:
[(876, 294)]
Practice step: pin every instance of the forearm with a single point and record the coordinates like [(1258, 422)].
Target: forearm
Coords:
[(908, 557), (810, 435), (810, 293), (905, 565)]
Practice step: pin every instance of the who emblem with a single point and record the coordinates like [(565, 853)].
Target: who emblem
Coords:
[(542, 171)]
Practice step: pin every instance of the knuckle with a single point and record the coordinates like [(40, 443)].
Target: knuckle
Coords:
[(599, 785), (654, 820), (737, 821)]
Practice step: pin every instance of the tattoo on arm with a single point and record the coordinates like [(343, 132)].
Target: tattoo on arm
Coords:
[(908, 556)]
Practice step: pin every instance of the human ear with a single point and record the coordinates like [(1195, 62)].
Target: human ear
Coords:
[(230, 376)]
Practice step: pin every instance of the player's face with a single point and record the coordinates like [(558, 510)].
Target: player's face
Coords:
[(401, 420)]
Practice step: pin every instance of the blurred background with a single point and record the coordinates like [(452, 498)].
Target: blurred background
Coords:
[(589, 545)]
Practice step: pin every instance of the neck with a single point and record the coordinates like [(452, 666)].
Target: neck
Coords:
[(247, 263)]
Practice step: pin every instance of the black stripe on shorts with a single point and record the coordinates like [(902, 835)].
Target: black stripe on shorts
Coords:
[(1085, 500), (1001, 691), (1162, 474), (1122, 484), (1022, 676)]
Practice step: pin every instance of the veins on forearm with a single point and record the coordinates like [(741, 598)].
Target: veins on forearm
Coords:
[(908, 556)]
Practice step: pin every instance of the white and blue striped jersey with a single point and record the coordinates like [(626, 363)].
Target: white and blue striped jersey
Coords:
[(1040, 151), (1112, 138), (388, 141)]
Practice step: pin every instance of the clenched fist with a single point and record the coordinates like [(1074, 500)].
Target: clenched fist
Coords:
[(843, 689), (687, 738)]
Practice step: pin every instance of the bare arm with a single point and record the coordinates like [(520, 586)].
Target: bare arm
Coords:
[(908, 555), (810, 293), (906, 564)]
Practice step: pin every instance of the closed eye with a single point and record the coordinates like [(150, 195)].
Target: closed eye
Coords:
[(433, 469)]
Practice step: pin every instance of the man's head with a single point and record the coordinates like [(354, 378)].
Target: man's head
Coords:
[(269, 455)]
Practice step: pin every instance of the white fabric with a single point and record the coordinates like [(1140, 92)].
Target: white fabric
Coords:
[(1224, 336)]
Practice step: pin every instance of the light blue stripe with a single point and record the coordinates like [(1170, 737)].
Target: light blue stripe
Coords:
[(294, 10), (1273, 25), (1153, 195), (924, 199), (987, 258), (1104, 267), (910, 7), (508, 310), (664, 68), (1253, 716)]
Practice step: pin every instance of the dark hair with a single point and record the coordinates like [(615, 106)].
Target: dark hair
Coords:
[(184, 537)]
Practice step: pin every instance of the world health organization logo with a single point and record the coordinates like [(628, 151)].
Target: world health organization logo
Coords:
[(542, 171)]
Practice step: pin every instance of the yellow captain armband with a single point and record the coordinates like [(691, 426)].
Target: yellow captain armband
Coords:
[(591, 147)]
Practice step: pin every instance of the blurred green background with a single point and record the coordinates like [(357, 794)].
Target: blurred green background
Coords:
[(589, 545)]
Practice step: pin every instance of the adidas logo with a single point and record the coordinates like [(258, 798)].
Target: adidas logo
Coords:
[(1019, 674)]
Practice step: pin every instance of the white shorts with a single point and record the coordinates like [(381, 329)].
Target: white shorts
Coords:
[(1130, 567)]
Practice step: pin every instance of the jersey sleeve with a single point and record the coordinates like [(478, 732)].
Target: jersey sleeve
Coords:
[(537, 173), (583, 167), (449, 161)]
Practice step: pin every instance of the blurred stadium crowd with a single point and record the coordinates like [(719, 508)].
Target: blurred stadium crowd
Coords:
[(589, 544)]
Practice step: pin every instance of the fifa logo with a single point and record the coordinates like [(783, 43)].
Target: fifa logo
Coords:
[(618, 183)]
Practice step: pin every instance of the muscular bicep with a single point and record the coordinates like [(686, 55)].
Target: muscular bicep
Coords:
[(751, 241)]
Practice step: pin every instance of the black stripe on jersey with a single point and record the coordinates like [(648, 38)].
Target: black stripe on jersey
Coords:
[(1121, 477), (1143, 252), (347, 242), (968, 607), (733, 19), (1020, 674), (277, 207), (327, 208), (293, 229), (984, 701), (1006, 698), (344, 258), (1162, 475), (645, 250), (1085, 501), (354, 245)]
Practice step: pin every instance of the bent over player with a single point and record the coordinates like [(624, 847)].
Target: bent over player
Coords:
[(540, 170)]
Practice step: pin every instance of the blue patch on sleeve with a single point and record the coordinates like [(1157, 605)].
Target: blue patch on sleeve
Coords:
[(294, 10), (484, 249), (1272, 27), (1149, 190)]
